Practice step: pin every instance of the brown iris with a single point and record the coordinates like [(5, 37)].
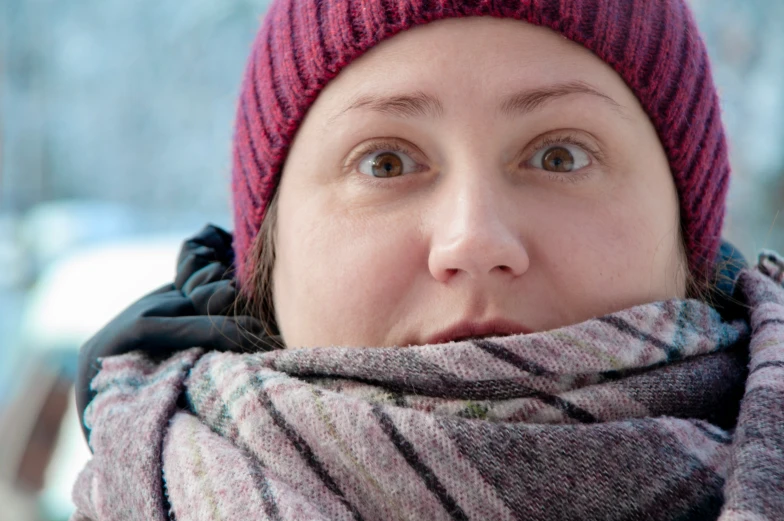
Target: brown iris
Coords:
[(558, 159), (387, 165)]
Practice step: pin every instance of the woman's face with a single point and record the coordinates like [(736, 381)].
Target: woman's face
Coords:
[(471, 177)]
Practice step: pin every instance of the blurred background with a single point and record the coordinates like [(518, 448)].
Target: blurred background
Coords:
[(115, 145)]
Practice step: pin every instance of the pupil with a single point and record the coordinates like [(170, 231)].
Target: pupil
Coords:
[(558, 159), (387, 165)]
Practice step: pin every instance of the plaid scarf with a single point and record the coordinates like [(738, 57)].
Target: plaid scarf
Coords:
[(663, 411)]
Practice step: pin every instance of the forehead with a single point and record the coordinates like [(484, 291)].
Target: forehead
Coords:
[(481, 59)]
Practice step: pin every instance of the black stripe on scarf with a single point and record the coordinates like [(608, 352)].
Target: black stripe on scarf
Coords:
[(724, 439), (451, 387), (775, 363), (673, 353), (573, 411), (767, 322), (305, 451), (511, 358), (409, 453)]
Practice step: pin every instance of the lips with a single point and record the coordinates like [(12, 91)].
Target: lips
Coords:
[(467, 329)]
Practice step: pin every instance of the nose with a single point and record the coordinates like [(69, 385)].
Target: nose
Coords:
[(476, 233)]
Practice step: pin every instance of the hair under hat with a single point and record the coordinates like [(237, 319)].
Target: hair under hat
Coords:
[(653, 45)]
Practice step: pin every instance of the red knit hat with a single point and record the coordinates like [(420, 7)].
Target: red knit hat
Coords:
[(653, 45)]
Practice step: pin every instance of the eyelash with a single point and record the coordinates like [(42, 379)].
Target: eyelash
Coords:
[(546, 142), (376, 146)]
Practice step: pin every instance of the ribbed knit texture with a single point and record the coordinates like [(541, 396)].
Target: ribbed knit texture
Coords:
[(654, 46)]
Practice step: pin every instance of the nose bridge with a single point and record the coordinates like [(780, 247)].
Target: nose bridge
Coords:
[(474, 231), (474, 210)]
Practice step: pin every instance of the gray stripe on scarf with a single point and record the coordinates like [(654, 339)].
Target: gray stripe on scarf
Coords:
[(540, 472)]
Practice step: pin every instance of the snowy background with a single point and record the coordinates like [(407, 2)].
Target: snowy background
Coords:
[(115, 131)]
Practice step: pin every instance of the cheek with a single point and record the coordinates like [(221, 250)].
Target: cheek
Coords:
[(614, 251), (343, 280)]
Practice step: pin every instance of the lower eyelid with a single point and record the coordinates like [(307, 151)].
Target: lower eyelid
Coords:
[(571, 177)]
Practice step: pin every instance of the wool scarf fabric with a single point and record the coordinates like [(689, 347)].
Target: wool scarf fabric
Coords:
[(663, 411)]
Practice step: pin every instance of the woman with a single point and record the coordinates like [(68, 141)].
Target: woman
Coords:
[(477, 252)]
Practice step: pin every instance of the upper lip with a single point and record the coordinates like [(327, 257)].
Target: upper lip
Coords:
[(467, 329)]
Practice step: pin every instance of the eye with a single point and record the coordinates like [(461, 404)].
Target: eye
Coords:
[(561, 158), (387, 163)]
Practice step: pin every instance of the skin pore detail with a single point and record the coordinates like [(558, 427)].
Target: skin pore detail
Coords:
[(468, 177)]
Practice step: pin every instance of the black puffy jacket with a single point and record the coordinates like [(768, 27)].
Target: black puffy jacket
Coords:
[(196, 310)]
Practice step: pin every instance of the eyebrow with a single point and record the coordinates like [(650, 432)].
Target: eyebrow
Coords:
[(530, 100), (416, 104), (420, 104)]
